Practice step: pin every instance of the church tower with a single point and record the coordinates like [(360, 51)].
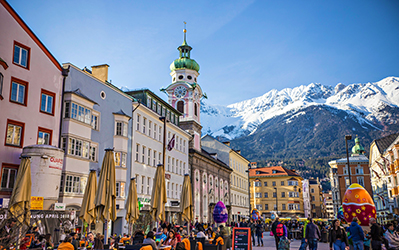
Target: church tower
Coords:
[(184, 93)]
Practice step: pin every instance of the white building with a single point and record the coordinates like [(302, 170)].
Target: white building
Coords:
[(147, 151), (306, 198)]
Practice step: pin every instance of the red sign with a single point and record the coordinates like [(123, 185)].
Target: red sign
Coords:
[(55, 163), (167, 176)]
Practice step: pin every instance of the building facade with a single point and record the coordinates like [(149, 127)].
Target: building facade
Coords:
[(384, 167), (96, 116), (328, 201), (360, 173), (239, 177), (276, 189), (148, 136), (316, 199), (30, 94)]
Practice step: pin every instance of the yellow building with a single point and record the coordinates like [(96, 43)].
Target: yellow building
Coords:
[(316, 199), (276, 189)]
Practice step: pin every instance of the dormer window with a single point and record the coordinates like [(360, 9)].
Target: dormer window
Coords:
[(274, 171), (181, 77), (189, 77)]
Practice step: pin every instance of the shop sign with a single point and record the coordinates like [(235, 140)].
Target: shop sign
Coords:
[(36, 203), (59, 206), (55, 163)]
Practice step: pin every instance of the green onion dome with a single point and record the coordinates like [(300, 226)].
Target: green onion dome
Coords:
[(184, 63)]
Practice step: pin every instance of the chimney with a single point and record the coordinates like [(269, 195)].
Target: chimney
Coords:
[(100, 72), (227, 143)]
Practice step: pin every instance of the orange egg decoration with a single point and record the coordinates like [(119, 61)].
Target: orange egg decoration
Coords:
[(358, 203)]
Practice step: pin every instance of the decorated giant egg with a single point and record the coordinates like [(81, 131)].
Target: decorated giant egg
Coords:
[(357, 202), (220, 213)]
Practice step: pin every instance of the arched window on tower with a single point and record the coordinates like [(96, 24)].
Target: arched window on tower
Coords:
[(180, 106), (195, 109)]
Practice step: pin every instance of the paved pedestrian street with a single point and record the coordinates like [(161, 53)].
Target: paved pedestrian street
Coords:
[(269, 244)]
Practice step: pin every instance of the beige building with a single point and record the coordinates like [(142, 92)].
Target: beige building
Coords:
[(239, 199), (276, 189), (317, 207)]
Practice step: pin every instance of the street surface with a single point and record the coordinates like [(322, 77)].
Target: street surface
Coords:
[(269, 244)]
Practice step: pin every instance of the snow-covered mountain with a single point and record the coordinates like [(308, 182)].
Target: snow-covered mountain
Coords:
[(368, 103)]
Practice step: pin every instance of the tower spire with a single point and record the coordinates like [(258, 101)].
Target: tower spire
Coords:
[(184, 31)]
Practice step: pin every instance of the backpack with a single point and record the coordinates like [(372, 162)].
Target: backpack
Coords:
[(280, 230), (284, 244)]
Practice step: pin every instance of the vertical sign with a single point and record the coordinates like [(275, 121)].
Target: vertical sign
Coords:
[(36, 203), (241, 238)]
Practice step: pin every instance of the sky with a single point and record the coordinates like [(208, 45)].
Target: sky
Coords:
[(245, 48)]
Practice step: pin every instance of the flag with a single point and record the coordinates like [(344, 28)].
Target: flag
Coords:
[(381, 167), (376, 174), (171, 143), (382, 199)]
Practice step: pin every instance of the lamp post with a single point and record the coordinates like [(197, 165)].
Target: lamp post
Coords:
[(348, 137), (249, 191), (276, 200)]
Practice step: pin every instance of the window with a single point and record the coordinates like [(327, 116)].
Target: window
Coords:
[(258, 184), (282, 194), (312, 190), (155, 131), (173, 185), (266, 195), (360, 180), (75, 184), (160, 133), (293, 194), (265, 183), (138, 123), (80, 148), (259, 207), (167, 189), (93, 153), (159, 111), (266, 206), (313, 198), (47, 102), (8, 177), (292, 183), (159, 158), (195, 109), (149, 157), (121, 128), (44, 136), (149, 128), (293, 206), (274, 194), (120, 159), (154, 159), (149, 102), (137, 152), (275, 207), (94, 121), (154, 105), (282, 183), (142, 184), (143, 155), (21, 55), (274, 183), (144, 124), (148, 185), (19, 91), (347, 181), (180, 106), (359, 170), (258, 195), (120, 189), (313, 206), (14, 133), (282, 206)]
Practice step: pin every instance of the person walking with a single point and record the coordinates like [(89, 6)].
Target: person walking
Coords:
[(252, 225), (337, 237), (259, 232), (357, 234), (376, 235), (274, 231), (312, 235)]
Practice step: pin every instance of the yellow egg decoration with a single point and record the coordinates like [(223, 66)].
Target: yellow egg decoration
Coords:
[(357, 202)]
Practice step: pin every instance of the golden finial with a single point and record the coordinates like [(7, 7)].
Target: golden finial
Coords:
[(184, 30)]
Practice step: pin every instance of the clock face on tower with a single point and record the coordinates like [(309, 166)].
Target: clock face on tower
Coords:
[(180, 91)]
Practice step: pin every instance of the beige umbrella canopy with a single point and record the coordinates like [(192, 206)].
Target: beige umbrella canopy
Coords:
[(19, 205), (106, 193), (132, 204), (158, 196), (186, 200), (88, 211)]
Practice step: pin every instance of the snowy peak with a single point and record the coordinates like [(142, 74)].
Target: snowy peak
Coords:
[(364, 100)]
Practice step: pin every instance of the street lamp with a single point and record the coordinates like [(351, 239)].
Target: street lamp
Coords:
[(348, 137), (249, 190), (276, 200)]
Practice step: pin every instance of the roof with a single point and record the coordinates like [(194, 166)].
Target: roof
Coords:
[(355, 158), (25, 27), (209, 156), (120, 112), (384, 142), (78, 92), (272, 172)]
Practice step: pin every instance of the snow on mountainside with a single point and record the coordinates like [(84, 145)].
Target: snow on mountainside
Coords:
[(367, 102)]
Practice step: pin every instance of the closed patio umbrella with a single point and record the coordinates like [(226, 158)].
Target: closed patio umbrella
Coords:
[(106, 192), (158, 196), (186, 200), (88, 211), (19, 205), (132, 204)]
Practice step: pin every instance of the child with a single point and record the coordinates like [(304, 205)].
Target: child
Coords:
[(366, 240)]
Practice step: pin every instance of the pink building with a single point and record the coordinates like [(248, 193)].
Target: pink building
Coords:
[(30, 94)]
